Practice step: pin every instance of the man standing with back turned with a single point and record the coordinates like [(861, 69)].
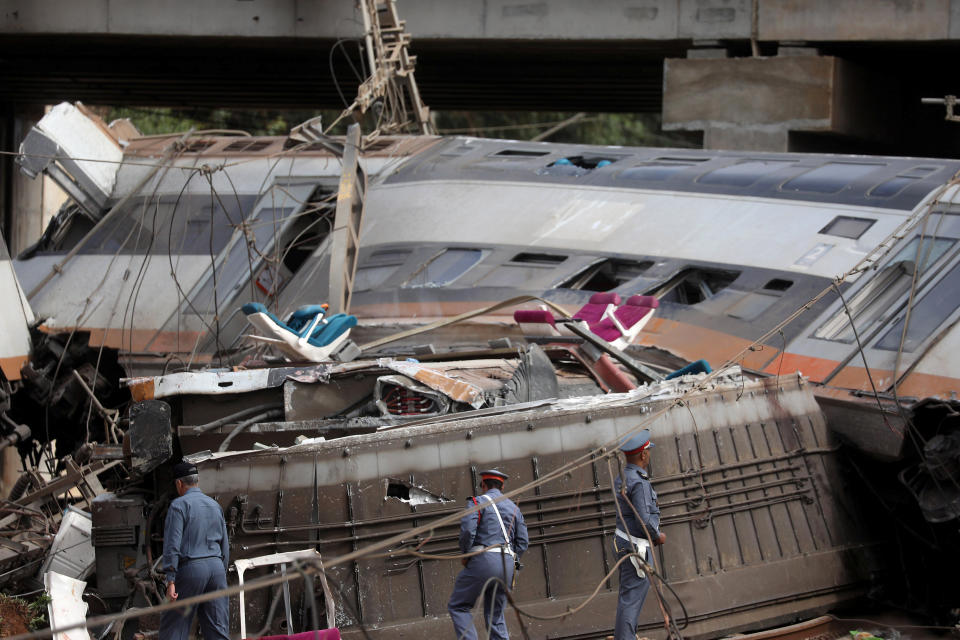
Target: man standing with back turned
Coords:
[(501, 527), (195, 557), (635, 497)]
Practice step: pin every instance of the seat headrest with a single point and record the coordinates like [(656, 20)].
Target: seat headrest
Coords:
[(607, 297), (643, 301), (253, 307)]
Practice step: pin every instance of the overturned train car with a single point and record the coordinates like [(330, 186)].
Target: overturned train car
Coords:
[(145, 272)]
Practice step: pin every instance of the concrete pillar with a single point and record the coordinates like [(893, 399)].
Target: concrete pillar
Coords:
[(754, 103)]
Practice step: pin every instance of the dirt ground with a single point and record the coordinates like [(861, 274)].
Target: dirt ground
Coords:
[(14, 617)]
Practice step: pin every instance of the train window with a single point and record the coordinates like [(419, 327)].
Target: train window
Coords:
[(882, 291), (659, 168), (377, 268), (521, 153), (694, 285), (248, 145), (144, 224), (930, 312), (743, 173), (197, 146), (847, 227), (830, 178), (444, 268), (545, 259), (606, 275), (778, 284), (901, 181)]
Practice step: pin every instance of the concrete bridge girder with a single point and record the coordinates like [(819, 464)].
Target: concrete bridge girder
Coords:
[(809, 20), (755, 103)]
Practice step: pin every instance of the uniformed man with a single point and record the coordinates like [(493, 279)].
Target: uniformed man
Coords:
[(501, 527), (195, 557), (635, 535)]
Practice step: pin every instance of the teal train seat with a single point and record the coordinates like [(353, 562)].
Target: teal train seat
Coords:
[(307, 334)]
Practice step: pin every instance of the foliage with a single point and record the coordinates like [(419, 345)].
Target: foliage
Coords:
[(38, 610), (627, 129), (20, 615)]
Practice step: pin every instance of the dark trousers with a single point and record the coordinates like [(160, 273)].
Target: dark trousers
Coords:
[(193, 578), (470, 582), (633, 591)]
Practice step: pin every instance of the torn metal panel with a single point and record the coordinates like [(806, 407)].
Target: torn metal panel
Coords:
[(151, 437), (401, 396), (222, 382), (71, 553), (78, 152), (66, 607), (455, 380), (737, 452)]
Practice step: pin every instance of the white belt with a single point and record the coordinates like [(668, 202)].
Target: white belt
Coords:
[(642, 543), (498, 549)]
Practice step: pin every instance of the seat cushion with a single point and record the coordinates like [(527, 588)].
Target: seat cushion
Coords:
[(592, 312), (629, 315)]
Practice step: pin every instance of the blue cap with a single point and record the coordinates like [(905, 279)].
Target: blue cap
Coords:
[(493, 474), (636, 442), (562, 161)]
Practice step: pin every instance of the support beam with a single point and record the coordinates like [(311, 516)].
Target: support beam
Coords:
[(346, 227), (755, 103)]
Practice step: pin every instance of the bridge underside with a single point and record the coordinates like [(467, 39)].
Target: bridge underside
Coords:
[(530, 75), (844, 97)]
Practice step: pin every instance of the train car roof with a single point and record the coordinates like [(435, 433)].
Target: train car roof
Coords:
[(874, 181)]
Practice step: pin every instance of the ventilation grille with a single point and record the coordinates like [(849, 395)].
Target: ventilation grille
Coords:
[(115, 537)]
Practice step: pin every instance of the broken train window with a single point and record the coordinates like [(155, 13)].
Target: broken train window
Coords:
[(411, 493), (445, 267), (375, 269), (606, 274), (882, 291), (185, 225), (694, 285), (310, 227)]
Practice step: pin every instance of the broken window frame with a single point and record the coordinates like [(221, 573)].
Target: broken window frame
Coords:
[(685, 276), (581, 278), (831, 228), (880, 294), (385, 262), (412, 281)]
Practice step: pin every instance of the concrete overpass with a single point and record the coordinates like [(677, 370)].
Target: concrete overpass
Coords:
[(842, 75)]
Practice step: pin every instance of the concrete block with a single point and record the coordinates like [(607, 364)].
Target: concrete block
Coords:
[(711, 53), (790, 51), (750, 91), (753, 103), (715, 18), (953, 30), (855, 20)]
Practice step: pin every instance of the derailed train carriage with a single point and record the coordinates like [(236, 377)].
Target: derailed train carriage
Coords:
[(730, 245)]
